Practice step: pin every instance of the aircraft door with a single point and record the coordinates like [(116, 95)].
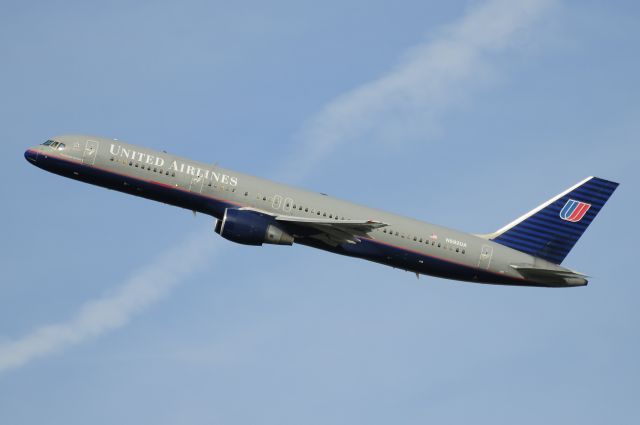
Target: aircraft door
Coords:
[(486, 252), (90, 152), (196, 184)]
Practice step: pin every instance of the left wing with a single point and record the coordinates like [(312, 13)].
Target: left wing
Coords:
[(331, 231)]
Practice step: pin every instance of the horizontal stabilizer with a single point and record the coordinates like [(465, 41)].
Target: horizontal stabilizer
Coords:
[(552, 277)]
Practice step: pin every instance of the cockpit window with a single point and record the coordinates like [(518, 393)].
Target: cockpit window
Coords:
[(55, 145)]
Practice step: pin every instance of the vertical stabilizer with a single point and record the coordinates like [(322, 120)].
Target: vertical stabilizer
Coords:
[(551, 230)]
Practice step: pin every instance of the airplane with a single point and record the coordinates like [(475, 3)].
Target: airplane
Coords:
[(254, 211)]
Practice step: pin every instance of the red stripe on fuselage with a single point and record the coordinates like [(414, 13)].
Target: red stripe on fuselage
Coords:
[(168, 186), (172, 187), (446, 260)]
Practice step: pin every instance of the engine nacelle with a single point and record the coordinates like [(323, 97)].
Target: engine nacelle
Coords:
[(251, 228)]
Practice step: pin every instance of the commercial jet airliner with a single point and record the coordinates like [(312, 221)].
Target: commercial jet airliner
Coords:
[(254, 211)]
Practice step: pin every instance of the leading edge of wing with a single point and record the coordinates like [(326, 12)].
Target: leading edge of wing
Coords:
[(373, 224)]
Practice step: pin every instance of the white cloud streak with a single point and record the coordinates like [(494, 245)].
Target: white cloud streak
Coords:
[(403, 102), (143, 288), (406, 103)]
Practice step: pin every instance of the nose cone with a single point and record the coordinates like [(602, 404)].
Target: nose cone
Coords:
[(31, 155)]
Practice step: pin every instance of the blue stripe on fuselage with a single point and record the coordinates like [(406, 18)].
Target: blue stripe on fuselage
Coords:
[(368, 249), (149, 189)]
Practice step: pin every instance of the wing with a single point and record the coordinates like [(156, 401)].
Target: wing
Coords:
[(331, 231)]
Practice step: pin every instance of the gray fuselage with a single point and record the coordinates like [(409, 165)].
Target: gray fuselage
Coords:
[(404, 243)]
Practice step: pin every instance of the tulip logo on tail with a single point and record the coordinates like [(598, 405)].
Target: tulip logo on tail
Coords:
[(573, 210)]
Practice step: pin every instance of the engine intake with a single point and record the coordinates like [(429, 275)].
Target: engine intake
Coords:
[(251, 228)]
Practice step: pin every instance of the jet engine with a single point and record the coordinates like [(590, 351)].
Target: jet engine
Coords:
[(251, 228)]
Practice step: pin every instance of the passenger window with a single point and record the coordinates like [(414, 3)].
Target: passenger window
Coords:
[(306, 210), (457, 249), (330, 215), (130, 163), (463, 251), (438, 244), (246, 194), (415, 238)]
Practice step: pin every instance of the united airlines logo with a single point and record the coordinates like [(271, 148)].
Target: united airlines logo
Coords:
[(573, 210)]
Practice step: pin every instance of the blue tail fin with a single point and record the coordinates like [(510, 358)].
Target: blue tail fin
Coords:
[(552, 229)]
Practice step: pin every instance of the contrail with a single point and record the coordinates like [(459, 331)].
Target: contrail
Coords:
[(113, 311), (405, 103), (402, 103)]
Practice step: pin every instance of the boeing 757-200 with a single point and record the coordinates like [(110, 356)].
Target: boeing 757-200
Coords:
[(254, 211)]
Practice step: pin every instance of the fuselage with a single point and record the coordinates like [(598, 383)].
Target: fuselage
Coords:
[(404, 243)]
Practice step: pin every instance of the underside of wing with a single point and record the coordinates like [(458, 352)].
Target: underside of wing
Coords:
[(330, 231), (335, 232)]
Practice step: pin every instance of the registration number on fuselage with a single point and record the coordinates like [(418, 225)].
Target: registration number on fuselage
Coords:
[(456, 242)]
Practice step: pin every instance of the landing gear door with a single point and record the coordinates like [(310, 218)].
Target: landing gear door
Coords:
[(90, 152), (486, 252)]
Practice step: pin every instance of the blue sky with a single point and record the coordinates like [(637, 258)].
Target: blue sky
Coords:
[(465, 114)]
